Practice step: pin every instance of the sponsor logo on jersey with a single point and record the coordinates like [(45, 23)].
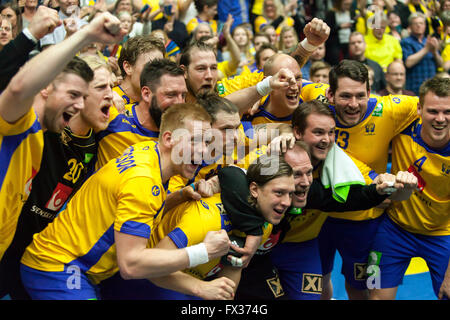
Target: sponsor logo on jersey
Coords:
[(156, 191), (370, 129), (204, 204), (312, 283), (378, 111), (275, 286), (59, 197), (359, 271), (396, 100)]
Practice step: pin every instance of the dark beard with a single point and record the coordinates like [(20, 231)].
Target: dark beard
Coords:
[(155, 112)]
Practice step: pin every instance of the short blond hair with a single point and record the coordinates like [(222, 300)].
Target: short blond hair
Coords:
[(179, 114)]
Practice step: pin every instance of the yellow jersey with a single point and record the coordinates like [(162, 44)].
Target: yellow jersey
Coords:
[(123, 131), (368, 141), (22, 144), (427, 211), (126, 195), (188, 223), (126, 99)]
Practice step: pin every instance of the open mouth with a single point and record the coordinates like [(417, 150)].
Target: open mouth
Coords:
[(67, 117), (105, 110), (301, 195), (279, 211), (439, 128), (292, 98)]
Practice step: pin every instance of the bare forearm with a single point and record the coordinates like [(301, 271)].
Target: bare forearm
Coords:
[(415, 58), (33, 77), (179, 281)]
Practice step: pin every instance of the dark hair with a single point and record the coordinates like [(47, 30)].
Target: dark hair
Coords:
[(199, 4), (136, 46), (260, 171), (352, 69), (213, 104), (439, 86), (302, 112), (155, 69), (263, 47), (78, 67), (185, 58)]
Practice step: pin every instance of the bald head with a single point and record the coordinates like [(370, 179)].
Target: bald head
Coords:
[(279, 61)]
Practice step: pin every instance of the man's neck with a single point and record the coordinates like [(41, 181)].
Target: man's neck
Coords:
[(127, 87), (277, 109), (393, 90), (78, 126), (144, 117)]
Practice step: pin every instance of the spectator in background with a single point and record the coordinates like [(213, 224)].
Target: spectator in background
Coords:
[(259, 39), (11, 11), (316, 55), (288, 40), (265, 52), (207, 10), (341, 20), (247, 52), (273, 14), (395, 26), (5, 32), (269, 30), (358, 51), (319, 72), (382, 47), (29, 10), (67, 9), (174, 28), (395, 80), (420, 53)]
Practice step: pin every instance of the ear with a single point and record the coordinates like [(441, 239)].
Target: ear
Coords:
[(127, 67), (146, 94), (297, 134), (330, 95), (253, 188), (167, 139), (46, 91), (419, 109), (182, 66)]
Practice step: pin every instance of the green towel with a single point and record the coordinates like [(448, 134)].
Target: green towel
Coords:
[(340, 172)]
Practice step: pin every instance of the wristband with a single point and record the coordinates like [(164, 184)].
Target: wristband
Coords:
[(29, 35), (192, 185), (307, 46), (197, 255), (263, 87)]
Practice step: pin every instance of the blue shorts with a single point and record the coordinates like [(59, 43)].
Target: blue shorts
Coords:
[(353, 240), (70, 284), (393, 248), (116, 288), (299, 269)]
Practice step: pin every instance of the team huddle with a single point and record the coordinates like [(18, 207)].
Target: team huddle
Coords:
[(175, 185)]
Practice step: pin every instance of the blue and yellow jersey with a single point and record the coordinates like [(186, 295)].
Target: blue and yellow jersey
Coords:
[(126, 99), (123, 131), (307, 225), (427, 210), (21, 148), (208, 169), (369, 140), (112, 199), (227, 86), (263, 116), (188, 223), (194, 22)]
